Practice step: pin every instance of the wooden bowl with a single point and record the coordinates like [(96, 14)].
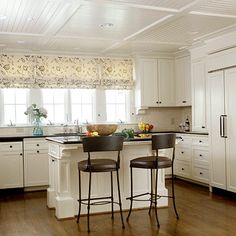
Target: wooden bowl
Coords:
[(102, 129)]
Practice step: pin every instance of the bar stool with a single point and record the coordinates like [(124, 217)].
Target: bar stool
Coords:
[(156, 162), (100, 144)]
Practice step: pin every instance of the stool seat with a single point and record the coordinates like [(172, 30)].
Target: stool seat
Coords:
[(149, 162), (98, 165)]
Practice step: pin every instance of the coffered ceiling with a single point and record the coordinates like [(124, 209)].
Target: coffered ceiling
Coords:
[(111, 27)]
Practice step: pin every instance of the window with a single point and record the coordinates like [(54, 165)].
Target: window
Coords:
[(116, 105), (54, 103), (82, 104), (14, 106)]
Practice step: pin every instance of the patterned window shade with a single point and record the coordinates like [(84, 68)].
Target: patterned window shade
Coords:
[(67, 72), (28, 71), (16, 71), (117, 73)]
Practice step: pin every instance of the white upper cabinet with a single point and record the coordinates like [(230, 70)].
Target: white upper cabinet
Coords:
[(155, 85), (199, 95), (183, 81)]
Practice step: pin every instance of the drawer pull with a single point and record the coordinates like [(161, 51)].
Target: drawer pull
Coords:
[(10, 146), (200, 155), (184, 101), (182, 168), (21, 154), (203, 127), (200, 173), (182, 152), (37, 151), (53, 160), (200, 141), (37, 145)]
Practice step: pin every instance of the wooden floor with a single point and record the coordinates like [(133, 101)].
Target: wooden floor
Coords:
[(201, 213)]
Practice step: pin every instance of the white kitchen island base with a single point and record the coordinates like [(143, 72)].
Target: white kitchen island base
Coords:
[(62, 193)]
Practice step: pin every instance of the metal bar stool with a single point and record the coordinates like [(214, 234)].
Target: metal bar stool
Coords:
[(100, 144), (156, 162)]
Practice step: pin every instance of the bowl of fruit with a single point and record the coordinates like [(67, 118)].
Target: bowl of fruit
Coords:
[(101, 129), (145, 127)]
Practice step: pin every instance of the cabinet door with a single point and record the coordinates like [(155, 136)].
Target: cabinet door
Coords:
[(183, 81), (149, 82), (166, 83), (11, 170), (217, 143), (230, 109), (199, 96), (36, 166)]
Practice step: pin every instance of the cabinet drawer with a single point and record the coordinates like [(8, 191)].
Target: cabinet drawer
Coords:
[(36, 145), (200, 157), (11, 147), (184, 140), (182, 169), (201, 174), (183, 154), (36, 151), (201, 141)]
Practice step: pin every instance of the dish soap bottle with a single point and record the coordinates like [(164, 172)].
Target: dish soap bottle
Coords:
[(187, 125)]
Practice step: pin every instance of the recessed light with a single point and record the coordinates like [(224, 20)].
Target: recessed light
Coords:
[(106, 25), (3, 17), (20, 41)]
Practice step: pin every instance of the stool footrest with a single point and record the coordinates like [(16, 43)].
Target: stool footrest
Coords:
[(97, 202)]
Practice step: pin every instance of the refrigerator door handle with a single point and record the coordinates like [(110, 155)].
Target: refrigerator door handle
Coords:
[(221, 126), (225, 126)]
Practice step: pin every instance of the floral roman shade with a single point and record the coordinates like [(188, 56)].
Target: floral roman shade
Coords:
[(16, 71), (29, 71)]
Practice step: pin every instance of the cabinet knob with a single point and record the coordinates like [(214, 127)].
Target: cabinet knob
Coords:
[(200, 141), (10, 146), (182, 152), (53, 160), (200, 173), (21, 154), (160, 102), (182, 168), (200, 155), (184, 101), (37, 145), (157, 102), (37, 151), (203, 127)]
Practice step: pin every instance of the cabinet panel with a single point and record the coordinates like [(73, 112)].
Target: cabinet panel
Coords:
[(166, 83), (217, 143), (199, 95), (201, 157), (11, 165), (200, 174), (183, 154), (183, 81)]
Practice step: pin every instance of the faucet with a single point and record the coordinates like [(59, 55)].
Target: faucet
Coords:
[(77, 126), (50, 123), (120, 121), (11, 124)]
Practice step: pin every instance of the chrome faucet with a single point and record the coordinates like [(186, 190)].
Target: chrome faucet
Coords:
[(77, 126)]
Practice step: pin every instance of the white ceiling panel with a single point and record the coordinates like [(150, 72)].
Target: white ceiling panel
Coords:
[(28, 16), (78, 45), (171, 4), (186, 29), (125, 20), (222, 7)]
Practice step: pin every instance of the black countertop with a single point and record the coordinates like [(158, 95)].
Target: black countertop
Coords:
[(75, 138)]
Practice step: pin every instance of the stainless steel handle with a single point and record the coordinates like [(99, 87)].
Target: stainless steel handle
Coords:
[(225, 126), (221, 126)]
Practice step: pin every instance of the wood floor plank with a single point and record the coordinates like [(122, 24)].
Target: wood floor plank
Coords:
[(201, 214)]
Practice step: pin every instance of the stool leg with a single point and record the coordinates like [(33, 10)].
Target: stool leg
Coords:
[(151, 194), (89, 195), (131, 189), (112, 198), (173, 191), (118, 186), (158, 224), (78, 217)]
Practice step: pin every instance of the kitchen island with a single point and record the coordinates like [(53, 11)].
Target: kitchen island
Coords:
[(62, 194)]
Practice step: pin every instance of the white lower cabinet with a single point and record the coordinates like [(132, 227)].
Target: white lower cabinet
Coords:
[(36, 162), (11, 165), (191, 157)]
